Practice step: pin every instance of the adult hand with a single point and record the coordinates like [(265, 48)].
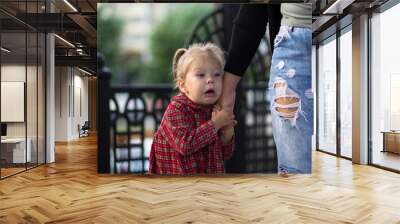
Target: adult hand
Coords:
[(222, 118), (227, 99), (217, 108)]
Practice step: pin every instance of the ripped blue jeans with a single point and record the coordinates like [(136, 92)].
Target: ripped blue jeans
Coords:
[(291, 99)]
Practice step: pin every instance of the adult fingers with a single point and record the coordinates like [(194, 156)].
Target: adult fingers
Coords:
[(217, 107)]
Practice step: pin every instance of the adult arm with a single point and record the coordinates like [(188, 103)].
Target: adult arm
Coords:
[(248, 30)]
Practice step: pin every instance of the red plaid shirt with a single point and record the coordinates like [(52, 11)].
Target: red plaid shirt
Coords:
[(187, 142)]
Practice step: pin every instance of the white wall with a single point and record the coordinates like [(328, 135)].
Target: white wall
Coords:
[(80, 100), (71, 94), (16, 73), (62, 81), (33, 125)]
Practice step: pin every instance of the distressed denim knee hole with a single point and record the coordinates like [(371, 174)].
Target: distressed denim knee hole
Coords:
[(286, 103)]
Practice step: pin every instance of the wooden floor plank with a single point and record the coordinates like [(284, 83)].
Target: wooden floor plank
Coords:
[(71, 191)]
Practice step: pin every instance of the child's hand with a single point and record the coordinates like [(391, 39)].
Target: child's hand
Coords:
[(222, 118)]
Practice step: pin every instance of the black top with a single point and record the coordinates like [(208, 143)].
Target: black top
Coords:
[(248, 30)]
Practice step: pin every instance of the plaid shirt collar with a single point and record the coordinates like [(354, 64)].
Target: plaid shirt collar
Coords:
[(184, 100)]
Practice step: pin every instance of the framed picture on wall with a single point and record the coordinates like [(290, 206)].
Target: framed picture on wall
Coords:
[(12, 101)]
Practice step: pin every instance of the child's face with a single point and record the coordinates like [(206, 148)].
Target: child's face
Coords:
[(203, 81)]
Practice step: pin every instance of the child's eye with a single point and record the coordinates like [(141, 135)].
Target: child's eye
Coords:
[(200, 75), (217, 74)]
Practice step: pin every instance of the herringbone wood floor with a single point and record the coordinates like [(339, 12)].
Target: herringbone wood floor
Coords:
[(70, 191)]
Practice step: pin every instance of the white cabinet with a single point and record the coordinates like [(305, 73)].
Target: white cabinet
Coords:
[(18, 149)]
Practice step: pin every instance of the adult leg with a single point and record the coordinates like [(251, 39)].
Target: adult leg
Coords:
[(291, 99)]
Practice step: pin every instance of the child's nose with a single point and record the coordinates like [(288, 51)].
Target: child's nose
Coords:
[(210, 79)]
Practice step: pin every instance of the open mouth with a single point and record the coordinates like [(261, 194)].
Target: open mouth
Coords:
[(210, 92)]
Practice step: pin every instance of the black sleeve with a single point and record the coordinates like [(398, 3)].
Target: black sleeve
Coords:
[(248, 29), (274, 22)]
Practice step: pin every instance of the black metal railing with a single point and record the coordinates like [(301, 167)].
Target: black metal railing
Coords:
[(135, 114)]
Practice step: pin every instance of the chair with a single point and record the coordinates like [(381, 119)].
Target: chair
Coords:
[(84, 130)]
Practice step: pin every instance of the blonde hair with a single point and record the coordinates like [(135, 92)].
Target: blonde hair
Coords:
[(183, 57)]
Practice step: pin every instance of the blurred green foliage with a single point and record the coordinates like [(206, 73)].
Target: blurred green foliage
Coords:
[(171, 33), (167, 36), (109, 30)]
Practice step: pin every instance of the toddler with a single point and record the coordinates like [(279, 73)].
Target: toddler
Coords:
[(195, 136)]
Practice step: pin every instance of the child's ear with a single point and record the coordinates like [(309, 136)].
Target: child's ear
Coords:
[(181, 86)]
